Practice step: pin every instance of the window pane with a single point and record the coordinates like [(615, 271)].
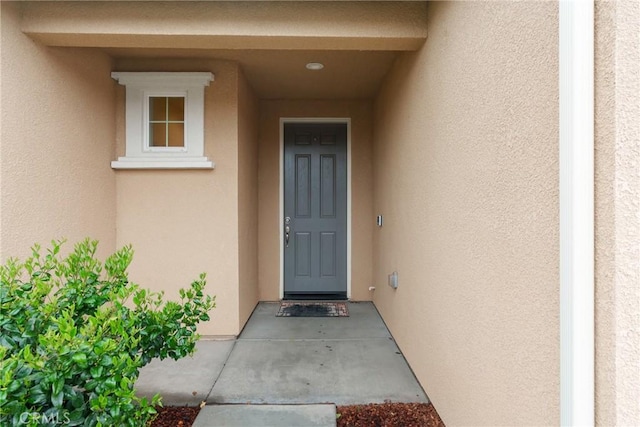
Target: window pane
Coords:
[(176, 134), (176, 109), (157, 109), (157, 135)]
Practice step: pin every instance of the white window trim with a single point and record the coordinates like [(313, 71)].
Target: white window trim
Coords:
[(140, 86)]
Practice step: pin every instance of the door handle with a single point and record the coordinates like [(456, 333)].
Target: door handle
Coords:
[(286, 236), (287, 230)]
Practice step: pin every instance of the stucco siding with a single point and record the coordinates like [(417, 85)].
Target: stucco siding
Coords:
[(617, 203), (182, 223), (58, 109), (458, 151), (466, 176), (247, 198), (361, 194)]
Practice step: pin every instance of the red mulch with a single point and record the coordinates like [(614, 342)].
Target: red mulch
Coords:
[(372, 415), (389, 415), (175, 416)]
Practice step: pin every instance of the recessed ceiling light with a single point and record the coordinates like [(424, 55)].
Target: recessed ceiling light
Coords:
[(315, 66)]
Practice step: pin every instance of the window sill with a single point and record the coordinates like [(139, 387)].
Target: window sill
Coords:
[(158, 163)]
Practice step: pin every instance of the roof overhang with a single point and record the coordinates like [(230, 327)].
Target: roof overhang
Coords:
[(318, 25), (356, 40)]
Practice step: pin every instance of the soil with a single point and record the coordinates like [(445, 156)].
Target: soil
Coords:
[(175, 416), (372, 415), (389, 415)]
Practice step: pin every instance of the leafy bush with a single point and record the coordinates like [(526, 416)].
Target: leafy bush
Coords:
[(74, 334)]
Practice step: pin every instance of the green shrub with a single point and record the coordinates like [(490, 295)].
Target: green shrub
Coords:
[(74, 334)]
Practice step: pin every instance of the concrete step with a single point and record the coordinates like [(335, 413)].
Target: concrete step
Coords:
[(238, 415)]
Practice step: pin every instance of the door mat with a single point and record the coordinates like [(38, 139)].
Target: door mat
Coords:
[(313, 309)]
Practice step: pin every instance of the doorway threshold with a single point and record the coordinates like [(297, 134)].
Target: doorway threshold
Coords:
[(338, 296)]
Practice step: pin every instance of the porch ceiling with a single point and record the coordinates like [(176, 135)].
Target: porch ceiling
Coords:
[(357, 41), (281, 74)]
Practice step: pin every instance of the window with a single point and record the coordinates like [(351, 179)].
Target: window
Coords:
[(164, 120)]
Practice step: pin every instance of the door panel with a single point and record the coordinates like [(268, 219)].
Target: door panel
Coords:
[(315, 192), (303, 186), (327, 186), (327, 254), (302, 253)]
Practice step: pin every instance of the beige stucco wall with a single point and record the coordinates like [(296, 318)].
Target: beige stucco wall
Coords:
[(466, 176), (181, 222), (248, 113), (361, 189), (617, 162), (56, 145)]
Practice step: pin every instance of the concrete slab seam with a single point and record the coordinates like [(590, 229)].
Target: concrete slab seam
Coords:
[(235, 341)]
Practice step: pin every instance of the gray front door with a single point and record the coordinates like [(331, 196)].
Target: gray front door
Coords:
[(315, 210)]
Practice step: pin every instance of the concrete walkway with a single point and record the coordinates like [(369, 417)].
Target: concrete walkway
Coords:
[(287, 371)]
